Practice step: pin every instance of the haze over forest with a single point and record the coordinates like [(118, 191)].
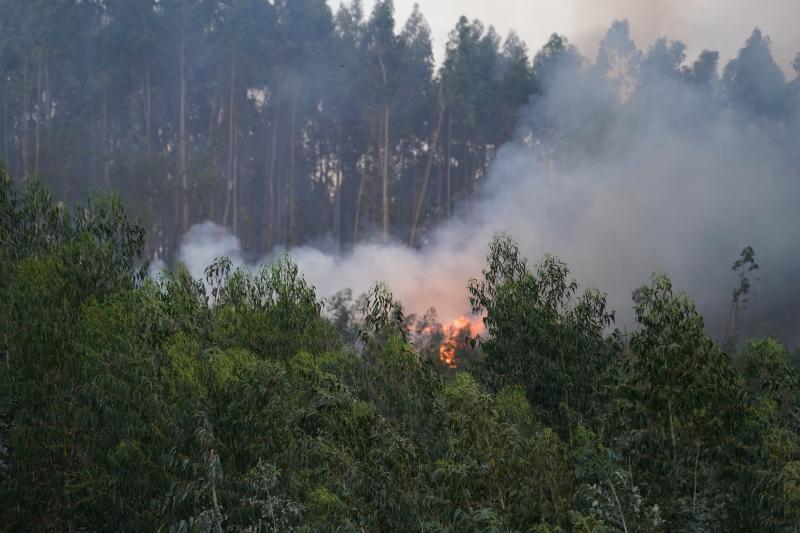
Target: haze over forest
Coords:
[(700, 24)]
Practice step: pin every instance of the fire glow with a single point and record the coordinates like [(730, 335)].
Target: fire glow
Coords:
[(455, 336)]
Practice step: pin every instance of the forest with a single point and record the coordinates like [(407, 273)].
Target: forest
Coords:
[(287, 123), (144, 391), (278, 120)]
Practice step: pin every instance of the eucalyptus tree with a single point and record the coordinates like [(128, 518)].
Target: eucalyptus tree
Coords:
[(753, 81), (703, 71), (543, 336), (312, 162), (244, 44), (420, 125), (517, 84), (619, 60), (358, 129), (383, 52), (467, 75), (684, 399)]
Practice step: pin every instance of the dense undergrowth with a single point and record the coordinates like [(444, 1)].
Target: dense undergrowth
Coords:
[(237, 403)]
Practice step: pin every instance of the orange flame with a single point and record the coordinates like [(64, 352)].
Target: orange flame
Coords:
[(454, 336)]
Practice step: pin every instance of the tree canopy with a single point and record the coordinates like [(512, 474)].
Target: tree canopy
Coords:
[(239, 402)]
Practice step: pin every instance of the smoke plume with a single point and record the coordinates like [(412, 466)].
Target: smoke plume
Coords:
[(619, 184)]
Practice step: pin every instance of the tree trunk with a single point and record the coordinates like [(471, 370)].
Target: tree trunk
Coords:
[(338, 209), (730, 328), (439, 190), (47, 142), (428, 167), (106, 155), (183, 149), (272, 163), (23, 144), (761, 322), (385, 155), (360, 196), (5, 124), (131, 155), (212, 197), (449, 194), (38, 113), (385, 172), (290, 225), (231, 143), (235, 183), (148, 108), (212, 105)]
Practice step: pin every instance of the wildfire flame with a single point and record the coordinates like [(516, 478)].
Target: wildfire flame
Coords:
[(455, 335)]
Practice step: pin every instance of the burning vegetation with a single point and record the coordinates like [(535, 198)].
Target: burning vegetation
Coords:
[(459, 338)]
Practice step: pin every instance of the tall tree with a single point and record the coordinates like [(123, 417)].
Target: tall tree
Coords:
[(752, 80), (383, 48), (619, 60)]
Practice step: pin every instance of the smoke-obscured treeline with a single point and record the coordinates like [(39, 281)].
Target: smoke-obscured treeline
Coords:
[(237, 404), (288, 123), (280, 120)]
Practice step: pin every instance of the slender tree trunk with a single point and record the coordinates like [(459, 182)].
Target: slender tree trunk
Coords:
[(106, 156), (360, 195), (212, 198), (131, 155), (485, 163), (439, 189), (47, 142), (272, 163), (428, 167), (671, 428), (148, 109), (385, 172), (231, 141), (449, 194), (385, 154), (338, 209), (211, 117), (5, 124), (290, 225), (24, 122), (730, 328), (466, 178), (38, 113), (694, 490), (183, 148), (761, 323), (235, 183)]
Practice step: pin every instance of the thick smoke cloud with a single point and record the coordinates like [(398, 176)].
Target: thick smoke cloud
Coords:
[(668, 178)]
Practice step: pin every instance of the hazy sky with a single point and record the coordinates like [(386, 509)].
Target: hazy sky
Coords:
[(721, 25)]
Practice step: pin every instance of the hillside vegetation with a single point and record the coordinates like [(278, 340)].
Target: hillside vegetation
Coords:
[(237, 403)]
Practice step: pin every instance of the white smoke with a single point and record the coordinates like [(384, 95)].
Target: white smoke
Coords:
[(204, 243), (669, 181)]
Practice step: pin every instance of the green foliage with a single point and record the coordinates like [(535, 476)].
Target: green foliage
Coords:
[(272, 313), (770, 437), (232, 403), (541, 336), (743, 267), (382, 314), (745, 264), (685, 404)]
